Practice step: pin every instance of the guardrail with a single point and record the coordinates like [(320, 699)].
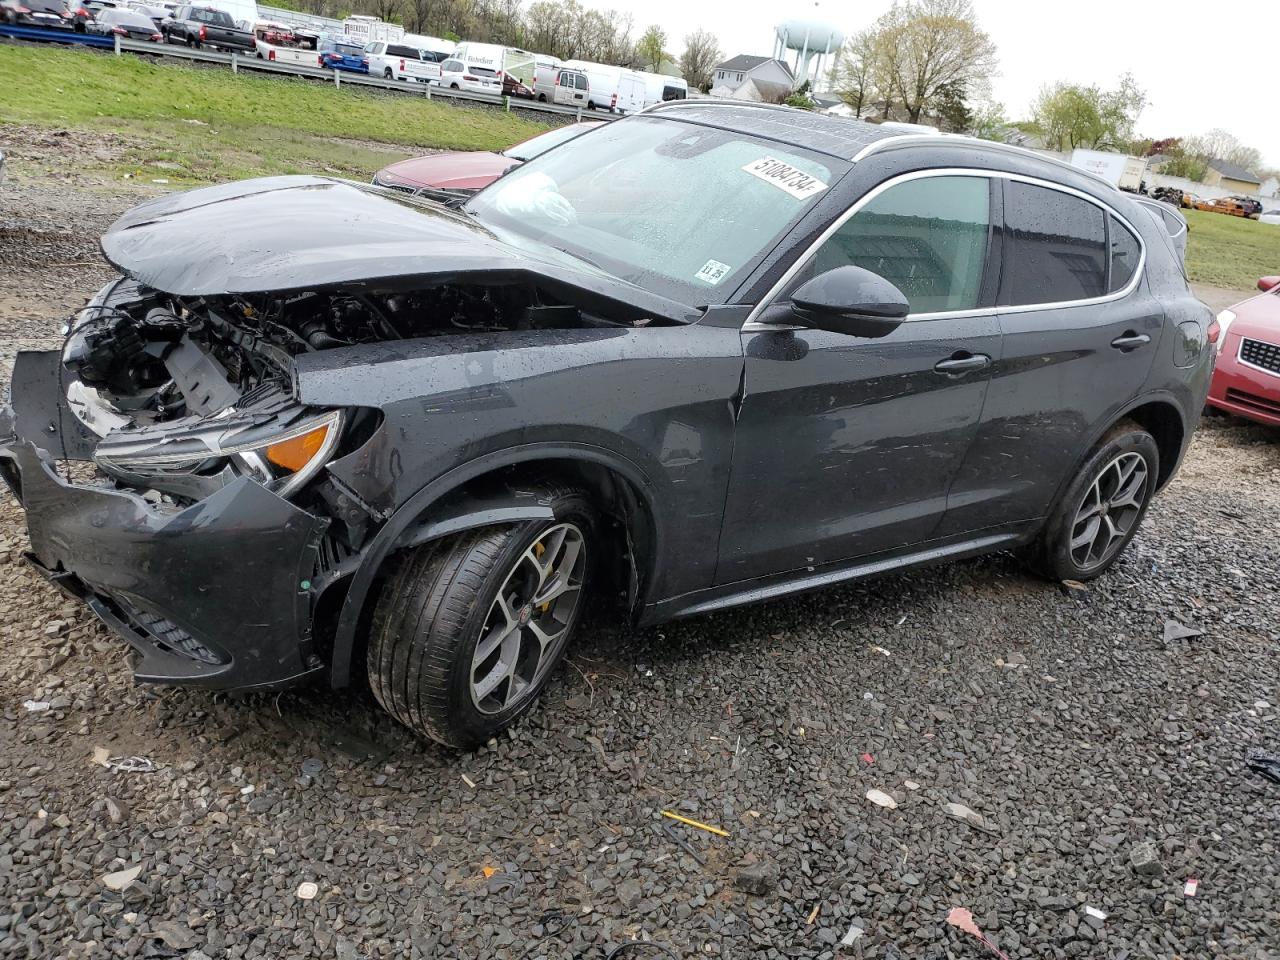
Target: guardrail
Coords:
[(338, 78)]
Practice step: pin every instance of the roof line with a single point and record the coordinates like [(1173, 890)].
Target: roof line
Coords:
[(906, 139)]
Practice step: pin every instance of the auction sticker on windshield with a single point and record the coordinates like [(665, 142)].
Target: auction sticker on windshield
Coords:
[(712, 272), (785, 177)]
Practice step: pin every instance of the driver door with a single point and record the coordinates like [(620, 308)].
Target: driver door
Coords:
[(845, 446)]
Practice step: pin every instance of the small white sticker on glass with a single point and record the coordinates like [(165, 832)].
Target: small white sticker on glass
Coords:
[(785, 177), (712, 272)]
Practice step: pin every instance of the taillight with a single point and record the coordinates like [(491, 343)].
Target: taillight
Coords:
[(203, 33), (156, 37), (613, 101), (1214, 331), (467, 76), (22, 9), (271, 55), (120, 31), (402, 66)]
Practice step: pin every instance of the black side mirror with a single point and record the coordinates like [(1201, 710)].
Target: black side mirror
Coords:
[(852, 301)]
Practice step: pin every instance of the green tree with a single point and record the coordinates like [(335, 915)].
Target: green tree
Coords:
[(953, 113), (852, 76), (650, 50), (1070, 115)]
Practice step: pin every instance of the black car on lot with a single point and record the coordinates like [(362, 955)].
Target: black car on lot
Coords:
[(707, 355), (126, 23), (50, 14)]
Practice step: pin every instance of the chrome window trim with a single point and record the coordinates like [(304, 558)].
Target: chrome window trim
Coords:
[(754, 324), (1253, 366), (958, 138)]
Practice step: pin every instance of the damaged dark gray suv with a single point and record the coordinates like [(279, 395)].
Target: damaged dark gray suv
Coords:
[(703, 356)]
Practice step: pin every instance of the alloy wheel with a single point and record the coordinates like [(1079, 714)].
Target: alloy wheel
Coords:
[(529, 620), (1109, 510)]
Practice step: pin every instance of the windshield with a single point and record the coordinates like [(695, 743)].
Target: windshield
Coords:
[(683, 210), (536, 146)]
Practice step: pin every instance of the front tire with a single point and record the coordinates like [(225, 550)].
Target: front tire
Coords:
[(1102, 508), (468, 629)]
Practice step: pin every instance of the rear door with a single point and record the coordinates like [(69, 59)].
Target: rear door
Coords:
[(845, 446), (1080, 331)]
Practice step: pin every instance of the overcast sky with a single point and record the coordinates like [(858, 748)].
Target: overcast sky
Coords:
[(1231, 81)]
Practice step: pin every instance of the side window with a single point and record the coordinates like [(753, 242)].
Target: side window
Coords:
[(580, 81), (928, 237), (1055, 246), (1125, 252)]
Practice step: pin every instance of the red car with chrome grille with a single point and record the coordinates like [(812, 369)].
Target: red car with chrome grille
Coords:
[(1246, 380)]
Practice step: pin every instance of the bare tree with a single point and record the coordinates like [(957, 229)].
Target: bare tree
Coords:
[(698, 62), (1219, 144), (852, 73), (939, 44)]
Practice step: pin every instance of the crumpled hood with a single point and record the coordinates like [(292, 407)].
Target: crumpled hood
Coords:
[(278, 234)]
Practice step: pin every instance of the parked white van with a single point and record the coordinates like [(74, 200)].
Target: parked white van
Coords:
[(434, 49), (512, 67), (400, 61), (659, 88), (611, 88)]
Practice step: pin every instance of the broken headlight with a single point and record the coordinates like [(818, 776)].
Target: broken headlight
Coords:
[(282, 454)]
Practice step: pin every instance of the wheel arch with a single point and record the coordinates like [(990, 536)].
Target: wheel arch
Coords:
[(496, 489), (1158, 414)]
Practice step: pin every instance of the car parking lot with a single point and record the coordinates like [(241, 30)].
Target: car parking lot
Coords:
[(1077, 725)]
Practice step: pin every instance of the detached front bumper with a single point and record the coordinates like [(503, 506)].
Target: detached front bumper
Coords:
[(217, 594)]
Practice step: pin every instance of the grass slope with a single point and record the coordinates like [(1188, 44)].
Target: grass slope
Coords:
[(1230, 251), (203, 124)]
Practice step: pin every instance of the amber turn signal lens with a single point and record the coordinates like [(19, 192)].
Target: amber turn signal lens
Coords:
[(296, 452)]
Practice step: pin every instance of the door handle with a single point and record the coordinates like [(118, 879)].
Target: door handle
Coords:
[(1130, 341), (962, 363)]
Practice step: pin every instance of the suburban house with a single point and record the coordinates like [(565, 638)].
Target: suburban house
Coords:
[(1230, 177), (746, 77)]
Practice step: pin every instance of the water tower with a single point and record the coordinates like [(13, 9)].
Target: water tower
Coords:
[(813, 43)]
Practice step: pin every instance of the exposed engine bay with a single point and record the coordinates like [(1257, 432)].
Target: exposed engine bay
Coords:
[(187, 393)]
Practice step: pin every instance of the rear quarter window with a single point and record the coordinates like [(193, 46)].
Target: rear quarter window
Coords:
[(1125, 253), (1055, 247)]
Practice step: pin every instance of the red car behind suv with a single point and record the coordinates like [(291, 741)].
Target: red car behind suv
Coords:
[(1246, 380)]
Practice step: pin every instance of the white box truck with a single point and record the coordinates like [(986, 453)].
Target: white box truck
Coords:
[(362, 29), (1120, 171)]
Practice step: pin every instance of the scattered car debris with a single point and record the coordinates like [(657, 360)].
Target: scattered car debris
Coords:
[(911, 784), (1267, 764), (813, 914), (176, 935), (881, 650), (101, 757), (868, 759), (1074, 588), (855, 932), (962, 919), (130, 764), (1095, 913), (468, 781), (312, 767), (121, 879), (674, 835), (506, 881), (1173, 630), (307, 890), (1192, 885), (35, 706), (1145, 860), (959, 811), (694, 823), (882, 799)]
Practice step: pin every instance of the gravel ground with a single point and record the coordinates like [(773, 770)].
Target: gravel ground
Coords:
[(1068, 724)]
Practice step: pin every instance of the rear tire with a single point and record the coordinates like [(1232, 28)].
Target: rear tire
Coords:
[(386, 74), (461, 646), (1100, 511)]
